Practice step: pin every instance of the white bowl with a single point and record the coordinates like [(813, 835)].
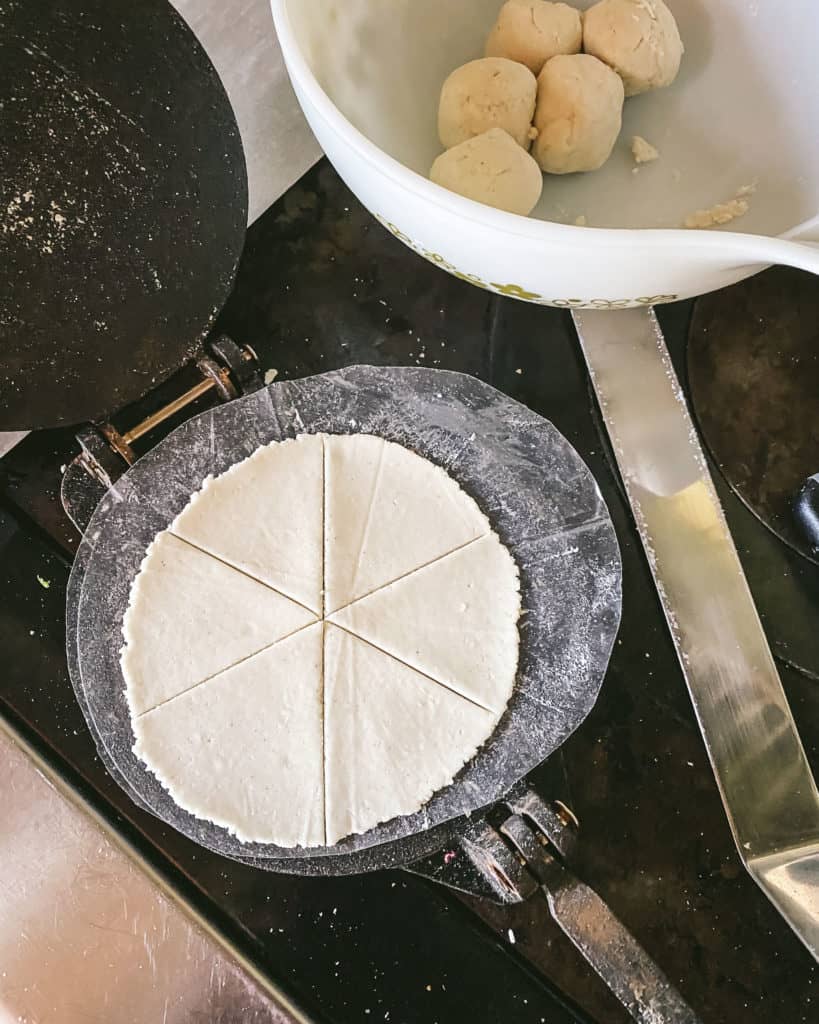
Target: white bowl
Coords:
[(743, 111)]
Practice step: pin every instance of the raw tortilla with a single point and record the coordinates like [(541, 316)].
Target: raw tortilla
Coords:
[(244, 749), (454, 620), (389, 718), (388, 512), (264, 516), (191, 616), (393, 737)]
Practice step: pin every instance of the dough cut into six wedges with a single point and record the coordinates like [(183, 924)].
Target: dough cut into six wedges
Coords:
[(365, 644)]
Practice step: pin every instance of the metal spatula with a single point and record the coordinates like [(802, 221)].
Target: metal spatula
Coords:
[(764, 778)]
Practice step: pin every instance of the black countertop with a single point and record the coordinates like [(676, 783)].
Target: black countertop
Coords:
[(322, 285)]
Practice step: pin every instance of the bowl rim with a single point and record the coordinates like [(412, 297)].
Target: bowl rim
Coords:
[(748, 247)]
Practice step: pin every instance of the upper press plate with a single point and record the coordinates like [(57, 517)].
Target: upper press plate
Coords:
[(123, 205)]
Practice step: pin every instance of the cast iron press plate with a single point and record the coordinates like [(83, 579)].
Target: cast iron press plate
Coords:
[(123, 204), (526, 477)]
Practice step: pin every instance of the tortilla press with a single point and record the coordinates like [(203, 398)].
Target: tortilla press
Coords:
[(122, 228), (487, 833)]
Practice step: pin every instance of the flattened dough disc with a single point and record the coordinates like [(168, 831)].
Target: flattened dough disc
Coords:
[(244, 749), (398, 735), (388, 512), (264, 516), (392, 736), (191, 616), (454, 620)]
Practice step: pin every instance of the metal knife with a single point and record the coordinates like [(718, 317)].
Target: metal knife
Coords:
[(766, 784)]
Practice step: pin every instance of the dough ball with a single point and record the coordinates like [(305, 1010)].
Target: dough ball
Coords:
[(579, 114), (492, 169), (638, 38), (484, 94), (532, 31)]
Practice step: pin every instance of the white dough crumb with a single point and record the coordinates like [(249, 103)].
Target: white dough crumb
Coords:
[(270, 376), (746, 190), (580, 221), (642, 150), (722, 213)]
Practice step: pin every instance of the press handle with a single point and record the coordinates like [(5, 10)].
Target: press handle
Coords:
[(632, 977), (630, 973), (527, 851)]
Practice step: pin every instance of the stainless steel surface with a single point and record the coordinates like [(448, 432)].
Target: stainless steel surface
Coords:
[(766, 784), (88, 934)]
